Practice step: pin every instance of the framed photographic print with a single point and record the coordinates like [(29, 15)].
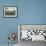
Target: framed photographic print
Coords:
[(33, 32), (10, 11)]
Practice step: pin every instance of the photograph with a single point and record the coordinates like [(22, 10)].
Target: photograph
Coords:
[(32, 32), (10, 11)]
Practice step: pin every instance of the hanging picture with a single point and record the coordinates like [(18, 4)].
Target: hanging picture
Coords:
[(10, 11)]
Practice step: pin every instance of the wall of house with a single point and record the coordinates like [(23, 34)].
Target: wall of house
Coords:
[(7, 25), (29, 12)]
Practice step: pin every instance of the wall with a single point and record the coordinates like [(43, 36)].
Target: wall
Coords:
[(32, 11), (7, 25), (29, 12)]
